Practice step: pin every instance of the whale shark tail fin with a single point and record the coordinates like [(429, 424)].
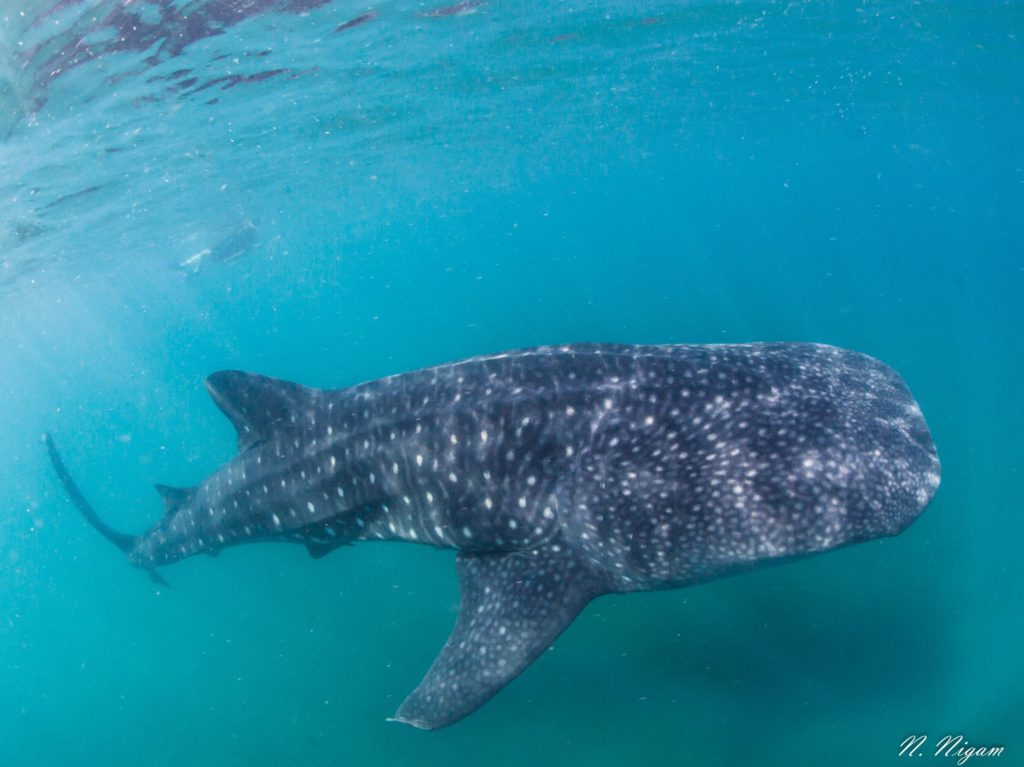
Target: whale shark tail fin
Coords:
[(123, 541)]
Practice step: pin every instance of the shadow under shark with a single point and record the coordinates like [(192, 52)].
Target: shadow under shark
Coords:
[(560, 474)]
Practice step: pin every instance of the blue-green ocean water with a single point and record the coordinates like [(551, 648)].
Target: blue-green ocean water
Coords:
[(427, 185)]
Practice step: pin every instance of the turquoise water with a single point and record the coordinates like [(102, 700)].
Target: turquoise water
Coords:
[(271, 188)]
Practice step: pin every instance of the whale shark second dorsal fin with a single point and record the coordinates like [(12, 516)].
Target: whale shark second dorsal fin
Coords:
[(258, 406), (174, 497)]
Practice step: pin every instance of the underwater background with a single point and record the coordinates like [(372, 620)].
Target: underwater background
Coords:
[(331, 192)]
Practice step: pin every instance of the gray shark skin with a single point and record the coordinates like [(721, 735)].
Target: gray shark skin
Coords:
[(560, 474)]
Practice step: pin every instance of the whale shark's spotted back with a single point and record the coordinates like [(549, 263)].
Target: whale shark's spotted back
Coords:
[(714, 457), (560, 474)]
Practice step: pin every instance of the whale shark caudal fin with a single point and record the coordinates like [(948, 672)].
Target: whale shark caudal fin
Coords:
[(123, 541), (513, 607), (259, 407)]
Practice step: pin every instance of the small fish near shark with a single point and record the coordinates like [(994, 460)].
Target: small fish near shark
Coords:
[(559, 474)]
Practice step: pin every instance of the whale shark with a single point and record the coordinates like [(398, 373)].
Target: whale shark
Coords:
[(559, 474)]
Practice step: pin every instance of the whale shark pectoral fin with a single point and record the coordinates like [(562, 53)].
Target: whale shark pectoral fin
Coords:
[(513, 607), (258, 406)]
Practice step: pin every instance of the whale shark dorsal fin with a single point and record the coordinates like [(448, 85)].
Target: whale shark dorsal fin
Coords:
[(513, 607), (258, 406), (174, 497)]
